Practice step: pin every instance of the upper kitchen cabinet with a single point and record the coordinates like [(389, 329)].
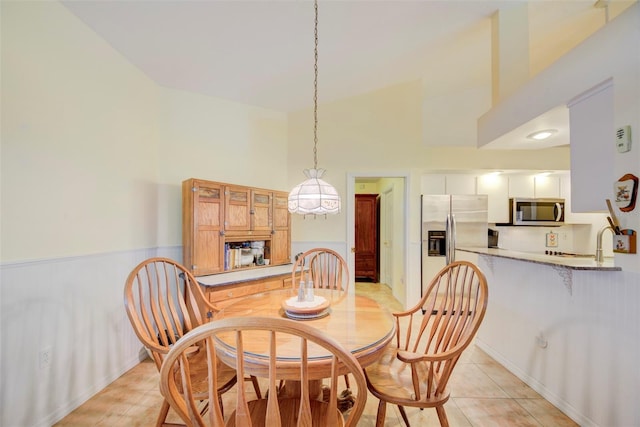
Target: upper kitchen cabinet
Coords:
[(460, 184), (448, 184), (591, 117), (521, 186), (496, 187), (534, 186), (546, 186), (433, 184)]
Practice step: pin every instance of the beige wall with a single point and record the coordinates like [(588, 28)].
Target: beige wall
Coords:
[(380, 132), (93, 152)]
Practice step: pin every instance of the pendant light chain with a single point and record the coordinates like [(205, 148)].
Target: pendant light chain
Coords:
[(315, 91), (314, 196)]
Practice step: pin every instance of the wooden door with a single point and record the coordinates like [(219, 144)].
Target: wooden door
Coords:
[(367, 215), (203, 213)]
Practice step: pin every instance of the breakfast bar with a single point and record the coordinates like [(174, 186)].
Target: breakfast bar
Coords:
[(569, 261), (563, 265), (554, 321)]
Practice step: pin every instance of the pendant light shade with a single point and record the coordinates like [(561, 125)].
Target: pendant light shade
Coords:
[(314, 196)]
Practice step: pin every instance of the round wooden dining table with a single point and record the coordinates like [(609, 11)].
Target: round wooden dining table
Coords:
[(357, 322)]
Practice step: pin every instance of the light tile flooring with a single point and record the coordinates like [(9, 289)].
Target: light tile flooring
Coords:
[(483, 393)]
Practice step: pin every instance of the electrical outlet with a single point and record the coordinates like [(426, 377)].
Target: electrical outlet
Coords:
[(541, 341), (45, 358)]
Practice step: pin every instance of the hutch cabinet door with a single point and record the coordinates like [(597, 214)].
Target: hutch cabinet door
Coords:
[(281, 215), (237, 208), (281, 234), (202, 219), (261, 216), (280, 244)]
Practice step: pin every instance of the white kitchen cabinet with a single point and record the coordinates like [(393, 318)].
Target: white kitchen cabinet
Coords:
[(460, 184), (448, 184), (497, 188), (432, 184), (521, 186), (546, 186)]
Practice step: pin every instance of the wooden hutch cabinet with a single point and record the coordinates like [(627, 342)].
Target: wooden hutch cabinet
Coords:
[(218, 218)]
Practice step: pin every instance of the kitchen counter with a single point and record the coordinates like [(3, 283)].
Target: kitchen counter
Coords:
[(569, 262), (239, 276)]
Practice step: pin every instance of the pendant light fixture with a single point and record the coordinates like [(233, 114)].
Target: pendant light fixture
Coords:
[(314, 196)]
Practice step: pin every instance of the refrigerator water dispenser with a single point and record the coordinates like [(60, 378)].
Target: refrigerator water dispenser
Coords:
[(437, 242)]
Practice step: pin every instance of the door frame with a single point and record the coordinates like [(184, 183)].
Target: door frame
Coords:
[(351, 185), (385, 256)]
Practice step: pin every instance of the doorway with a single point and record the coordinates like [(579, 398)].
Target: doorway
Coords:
[(393, 227)]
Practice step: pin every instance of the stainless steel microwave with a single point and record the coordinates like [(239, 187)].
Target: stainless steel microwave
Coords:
[(547, 212)]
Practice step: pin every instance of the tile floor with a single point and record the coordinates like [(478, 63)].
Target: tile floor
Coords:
[(483, 393)]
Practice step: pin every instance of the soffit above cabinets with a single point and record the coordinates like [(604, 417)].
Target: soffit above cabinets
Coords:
[(516, 139)]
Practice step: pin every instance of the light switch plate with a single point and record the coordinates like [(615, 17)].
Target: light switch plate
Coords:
[(623, 139)]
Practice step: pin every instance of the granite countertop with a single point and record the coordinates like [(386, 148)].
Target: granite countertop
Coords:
[(232, 277), (570, 262)]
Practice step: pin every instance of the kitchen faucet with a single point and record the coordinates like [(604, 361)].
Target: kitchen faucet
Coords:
[(599, 256)]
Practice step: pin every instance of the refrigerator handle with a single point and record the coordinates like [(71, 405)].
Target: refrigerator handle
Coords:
[(452, 246), (450, 233)]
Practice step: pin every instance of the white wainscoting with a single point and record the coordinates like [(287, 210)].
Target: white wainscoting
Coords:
[(590, 366), (72, 307)]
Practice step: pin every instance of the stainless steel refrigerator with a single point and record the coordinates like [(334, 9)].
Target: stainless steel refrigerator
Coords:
[(450, 222)]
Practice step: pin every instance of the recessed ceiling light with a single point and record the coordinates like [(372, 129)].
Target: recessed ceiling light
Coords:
[(541, 134)]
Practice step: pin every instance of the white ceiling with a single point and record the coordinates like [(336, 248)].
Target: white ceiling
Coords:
[(260, 52)]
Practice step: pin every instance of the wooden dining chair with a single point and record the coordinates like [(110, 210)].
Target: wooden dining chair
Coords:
[(328, 270), (430, 337), (325, 267), (237, 338), (163, 302)]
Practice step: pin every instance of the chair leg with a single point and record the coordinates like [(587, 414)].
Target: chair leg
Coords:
[(256, 386), (162, 416), (382, 413), (346, 381), (404, 415), (442, 416)]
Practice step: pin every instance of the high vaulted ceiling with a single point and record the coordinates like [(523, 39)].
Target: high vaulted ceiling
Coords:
[(261, 52)]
